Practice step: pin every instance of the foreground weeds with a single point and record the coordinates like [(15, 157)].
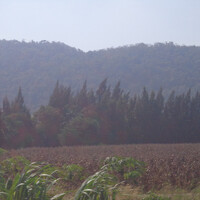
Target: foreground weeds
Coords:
[(170, 171), (31, 184), (172, 164), (35, 180)]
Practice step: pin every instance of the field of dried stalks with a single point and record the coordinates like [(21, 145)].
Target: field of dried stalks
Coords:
[(166, 164)]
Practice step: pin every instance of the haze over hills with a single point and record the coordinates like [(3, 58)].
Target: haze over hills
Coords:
[(36, 66)]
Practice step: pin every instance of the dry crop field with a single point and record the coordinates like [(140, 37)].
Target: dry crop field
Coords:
[(166, 164)]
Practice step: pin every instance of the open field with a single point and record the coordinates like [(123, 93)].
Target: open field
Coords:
[(177, 165)]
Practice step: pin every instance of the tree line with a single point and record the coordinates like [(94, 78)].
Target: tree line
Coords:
[(102, 116), (36, 66)]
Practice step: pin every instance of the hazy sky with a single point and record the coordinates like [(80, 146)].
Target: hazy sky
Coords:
[(97, 24)]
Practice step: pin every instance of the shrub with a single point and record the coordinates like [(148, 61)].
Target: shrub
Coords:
[(128, 168), (72, 172), (12, 166)]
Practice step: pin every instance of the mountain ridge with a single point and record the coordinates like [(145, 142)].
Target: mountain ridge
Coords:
[(36, 66)]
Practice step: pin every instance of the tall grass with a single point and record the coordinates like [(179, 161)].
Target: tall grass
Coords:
[(99, 186), (35, 180), (103, 185), (31, 184)]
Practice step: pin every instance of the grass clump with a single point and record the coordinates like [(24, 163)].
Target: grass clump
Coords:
[(104, 184), (31, 184), (2, 151), (22, 180), (72, 173), (99, 186), (11, 166), (128, 168)]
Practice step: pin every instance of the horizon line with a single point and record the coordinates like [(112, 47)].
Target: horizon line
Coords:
[(101, 49)]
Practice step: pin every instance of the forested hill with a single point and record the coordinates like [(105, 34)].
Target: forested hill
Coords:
[(36, 66)]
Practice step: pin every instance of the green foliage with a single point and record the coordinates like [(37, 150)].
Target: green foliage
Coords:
[(155, 197), (13, 122), (47, 123), (2, 179), (60, 96), (129, 168), (18, 105), (14, 165), (2, 151), (104, 184), (34, 181), (105, 116), (32, 184), (111, 116), (85, 129), (101, 185), (71, 172), (16, 128)]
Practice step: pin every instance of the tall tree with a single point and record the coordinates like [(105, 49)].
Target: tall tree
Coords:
[(18, 105), (60, 97), (82, 96), (101, 90), (6, 106), (2, 131)]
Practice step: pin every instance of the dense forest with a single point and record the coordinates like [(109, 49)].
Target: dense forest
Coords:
[(103, 116), (36, 66)]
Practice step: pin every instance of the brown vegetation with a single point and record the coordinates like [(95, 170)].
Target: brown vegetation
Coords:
[(167, 164)]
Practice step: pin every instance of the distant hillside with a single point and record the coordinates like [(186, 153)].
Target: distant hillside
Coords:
[(37, 66)]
